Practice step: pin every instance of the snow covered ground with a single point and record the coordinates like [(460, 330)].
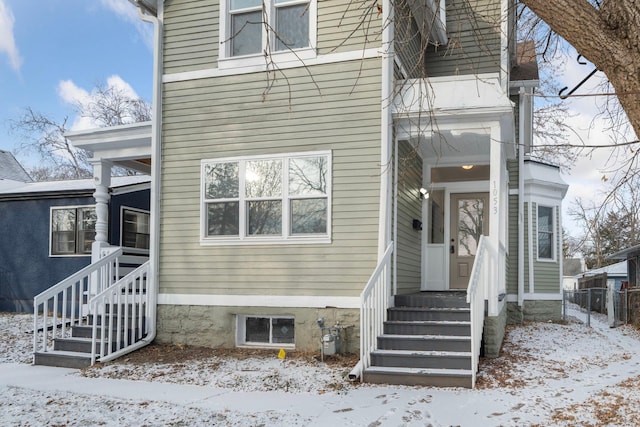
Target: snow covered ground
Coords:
[(548, 375)]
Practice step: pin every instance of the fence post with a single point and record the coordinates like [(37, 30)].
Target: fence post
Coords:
[(626, 306), (564, 305), (589, 307)]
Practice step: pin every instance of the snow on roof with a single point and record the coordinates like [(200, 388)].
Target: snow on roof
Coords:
[(11, 169), (70, 185), (617, 269)]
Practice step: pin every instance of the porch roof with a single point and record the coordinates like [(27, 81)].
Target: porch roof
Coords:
[(128, 145), (453, 117)]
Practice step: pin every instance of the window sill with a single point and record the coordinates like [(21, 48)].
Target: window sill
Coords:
[(264, 241), (260, 61), (266, 345)]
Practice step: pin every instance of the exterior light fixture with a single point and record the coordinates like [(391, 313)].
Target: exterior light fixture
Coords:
[(424, 193), (467, 167)]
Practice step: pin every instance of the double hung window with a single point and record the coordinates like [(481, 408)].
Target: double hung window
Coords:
[(545, 233), (282, 198), (135, 229), (255, 26), (73, 230)]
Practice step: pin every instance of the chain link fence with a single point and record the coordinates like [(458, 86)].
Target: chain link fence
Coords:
[(620, 306)]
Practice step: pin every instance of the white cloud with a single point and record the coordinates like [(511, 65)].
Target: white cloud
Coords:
[(7, 40), (72, 94), (128, 12)]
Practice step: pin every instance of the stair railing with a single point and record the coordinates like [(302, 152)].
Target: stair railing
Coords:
[(65, 303), (374, 302), (482, 275), (122, 315)]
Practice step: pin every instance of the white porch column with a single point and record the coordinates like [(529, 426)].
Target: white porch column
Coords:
[(496, 179), (102, 178)]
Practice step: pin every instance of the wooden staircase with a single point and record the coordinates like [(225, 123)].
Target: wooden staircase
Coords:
[(426, 341), (75, 351)]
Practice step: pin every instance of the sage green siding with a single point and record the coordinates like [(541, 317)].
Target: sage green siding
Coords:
[(190, 35), (546, 273), (512, 256), (473, 27), (408, 258), (192, 40), (337, 109), (345, 26)]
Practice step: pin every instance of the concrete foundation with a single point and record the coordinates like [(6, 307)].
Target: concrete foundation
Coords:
[(493, 333), (534, 311), (215, 327)]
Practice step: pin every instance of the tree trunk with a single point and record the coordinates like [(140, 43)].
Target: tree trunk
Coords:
[(609, 37)]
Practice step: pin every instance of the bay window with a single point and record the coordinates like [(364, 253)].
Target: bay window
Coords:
[(274, 198), (545, 233)]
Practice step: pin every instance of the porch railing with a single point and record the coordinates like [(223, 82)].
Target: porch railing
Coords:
[(65, 304), (482, 274), (121, 316), (374, 301)]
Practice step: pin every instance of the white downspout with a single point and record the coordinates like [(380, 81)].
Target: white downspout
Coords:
[(521, 142), (384, 230), (156, 152)]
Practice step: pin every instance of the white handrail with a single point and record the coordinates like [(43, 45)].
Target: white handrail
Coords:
[(374, 301), (64, 304), (122, 315), (482, 275)]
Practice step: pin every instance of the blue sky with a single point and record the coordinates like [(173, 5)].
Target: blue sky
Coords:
[(54, 51)]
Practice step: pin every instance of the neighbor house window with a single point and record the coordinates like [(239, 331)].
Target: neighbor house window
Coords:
[(266, 331), (277, 198), (73, 230), (545, 233), (135, 229), (254, 26)]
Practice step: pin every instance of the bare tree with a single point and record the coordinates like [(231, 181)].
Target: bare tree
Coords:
[(108, 106)]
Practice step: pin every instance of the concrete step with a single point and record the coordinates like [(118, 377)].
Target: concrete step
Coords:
[(418, 376), (421, 359), (427, 327), (434, 299), (421, 313), (424, 342), (62, 359)]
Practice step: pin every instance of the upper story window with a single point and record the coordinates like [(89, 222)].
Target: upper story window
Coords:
[(267, 199), (546, 237), (73, 230), (135, 229), (251, 27)]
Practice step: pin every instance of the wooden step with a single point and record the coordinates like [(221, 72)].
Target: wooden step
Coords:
[(425, 342), (62, 359), (418, 376), (423, 313), (427, 327), (422, 359)]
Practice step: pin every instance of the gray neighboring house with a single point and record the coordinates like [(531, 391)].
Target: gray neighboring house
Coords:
[(11, 171)]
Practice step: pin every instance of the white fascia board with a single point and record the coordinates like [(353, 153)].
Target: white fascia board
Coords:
[(135, 135), (514, 85), (259, 301)]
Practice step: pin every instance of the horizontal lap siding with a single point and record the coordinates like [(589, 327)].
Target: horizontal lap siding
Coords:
[(190, 35), (345, 26), (408, 41), (408, 262), (546, 273), (227, 117), (512, 263), (473, 27)]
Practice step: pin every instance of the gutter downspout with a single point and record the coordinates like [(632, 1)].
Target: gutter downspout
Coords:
[(384, 228), (384, 232), (156, 152), (521, 141)]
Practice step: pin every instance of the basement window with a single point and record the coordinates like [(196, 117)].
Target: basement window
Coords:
[(266, 331)]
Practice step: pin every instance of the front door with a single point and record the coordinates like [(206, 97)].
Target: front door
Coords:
[(469, 220)]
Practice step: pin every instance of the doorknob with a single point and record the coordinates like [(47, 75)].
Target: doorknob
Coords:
[(452, 249)]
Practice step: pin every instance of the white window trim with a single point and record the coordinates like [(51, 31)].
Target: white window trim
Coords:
[(241, 323), (74, 255), (286, 237), (128, 208), (554, 240), (226, 61)]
